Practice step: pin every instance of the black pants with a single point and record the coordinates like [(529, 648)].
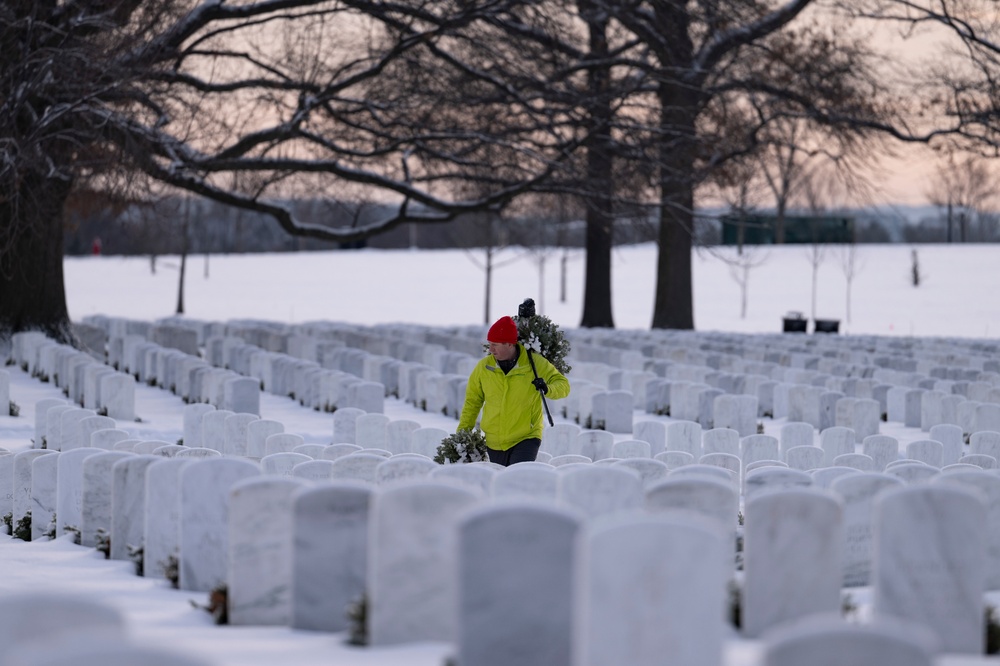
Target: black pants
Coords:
[(524, 451)]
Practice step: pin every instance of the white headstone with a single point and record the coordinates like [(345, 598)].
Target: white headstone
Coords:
[(236, 434), (329, 553), (719, 440), (345, 425), (597, 490), (795, 433), (357, 466), (128, 504), (882, 448), (204, 540), (929, 565), (193, 415), (426, 441), (791, 557), (281, 464), (282, 442), (713, 498), (858, 491), (258, 431), (259, 579), (654, 432), (213, 429), (847, 643), (411, 562), (69, 494), (370, 430), (525, 481), (161, 537), (561, 439), (804, 457), (664, 571), (398, 435), (96, 496), (502, 622), (595, 444), (989, 485), (685, 436), (44, 488)]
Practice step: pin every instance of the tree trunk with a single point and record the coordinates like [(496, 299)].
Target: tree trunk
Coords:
[(673, 305), (600, 214), (32, 295)]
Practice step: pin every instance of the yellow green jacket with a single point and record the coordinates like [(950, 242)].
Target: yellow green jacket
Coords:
[(511, 405)]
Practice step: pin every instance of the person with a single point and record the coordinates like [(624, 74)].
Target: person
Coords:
[(504, 387)]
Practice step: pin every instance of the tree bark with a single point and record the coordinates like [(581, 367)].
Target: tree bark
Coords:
[(600, 213), (673, 305), (32, 295)]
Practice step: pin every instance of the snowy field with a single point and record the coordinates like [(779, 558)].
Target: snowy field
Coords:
[(445, 288)]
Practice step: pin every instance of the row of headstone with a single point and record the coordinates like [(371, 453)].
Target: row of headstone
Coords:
[(609, 497)]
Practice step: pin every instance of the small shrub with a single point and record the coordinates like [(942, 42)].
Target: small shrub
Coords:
[(7, 519), (10, 361), (102, 411), (218, 604), (138, 559), (760, 428), (180, 442), (103, 543), (15, 409), (992, 630), (22, 530), (172, 572), (848, 608), (735, 594), (465, 446), (75, 531), (45, 442), (51, 532), (357, 617)]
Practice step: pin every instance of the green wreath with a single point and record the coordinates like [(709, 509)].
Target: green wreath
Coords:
[(542, 336), (465, 446)]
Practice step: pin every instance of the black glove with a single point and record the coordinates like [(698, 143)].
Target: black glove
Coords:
[(540, 385)]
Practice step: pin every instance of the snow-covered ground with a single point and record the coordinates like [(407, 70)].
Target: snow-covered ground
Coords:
[(445, 288)]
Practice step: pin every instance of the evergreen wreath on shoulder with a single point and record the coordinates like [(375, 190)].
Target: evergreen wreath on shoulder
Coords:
[(543, 336), (465, 446)]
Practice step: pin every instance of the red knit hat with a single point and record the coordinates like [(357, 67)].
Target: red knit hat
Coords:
[(504, 330)]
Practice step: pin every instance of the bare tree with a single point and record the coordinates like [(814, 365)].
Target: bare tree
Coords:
[(273, 94), (742, 195), (964, 187), (718, 74), (850, 264)]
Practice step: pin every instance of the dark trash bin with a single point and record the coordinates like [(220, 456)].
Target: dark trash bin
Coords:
[(826, 326), (794, 322)]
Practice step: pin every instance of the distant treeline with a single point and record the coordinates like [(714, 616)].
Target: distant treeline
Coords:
[(171, 226)]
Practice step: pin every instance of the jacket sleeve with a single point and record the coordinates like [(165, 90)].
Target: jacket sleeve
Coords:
[(556, 381), (474, 399)]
